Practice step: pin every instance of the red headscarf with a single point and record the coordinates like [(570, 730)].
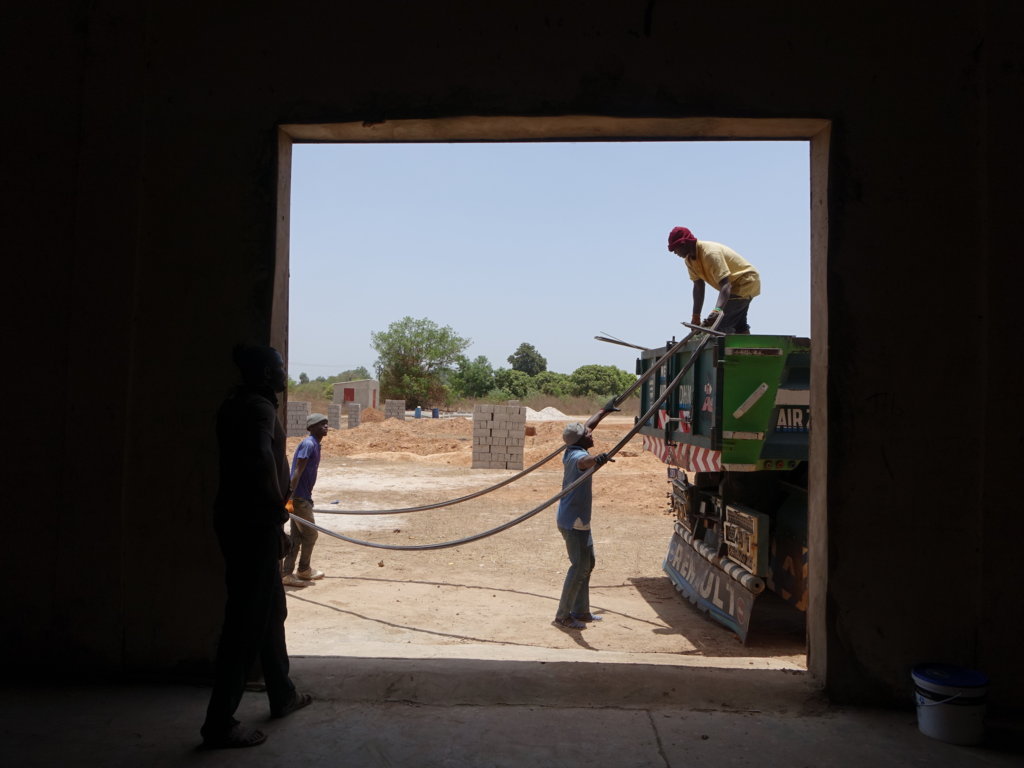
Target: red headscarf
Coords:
[(678, 236)]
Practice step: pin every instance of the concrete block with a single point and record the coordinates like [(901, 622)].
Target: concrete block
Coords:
[(354, 411), (295, 418), (334, 416)]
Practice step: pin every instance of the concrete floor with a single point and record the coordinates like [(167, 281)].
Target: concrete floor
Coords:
[(468, 712)]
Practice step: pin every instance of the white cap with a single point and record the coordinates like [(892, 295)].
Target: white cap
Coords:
[(573, 432)]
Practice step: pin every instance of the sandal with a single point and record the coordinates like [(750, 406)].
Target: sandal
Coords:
[(297, 702), (237, 738), (586, 617), (568, 622)]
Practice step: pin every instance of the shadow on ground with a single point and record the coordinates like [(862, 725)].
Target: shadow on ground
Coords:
[(776, 628)]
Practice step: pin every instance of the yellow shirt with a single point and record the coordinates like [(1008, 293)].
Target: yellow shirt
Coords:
[(715, 261)]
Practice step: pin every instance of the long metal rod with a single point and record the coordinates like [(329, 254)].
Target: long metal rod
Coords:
[(614, 402), (622, 343), (694, 330), (709, 333), (440, 504)]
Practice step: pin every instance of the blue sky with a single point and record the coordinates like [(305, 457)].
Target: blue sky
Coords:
[(545, 243)]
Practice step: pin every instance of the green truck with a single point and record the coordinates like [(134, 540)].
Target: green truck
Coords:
[(734, 433)]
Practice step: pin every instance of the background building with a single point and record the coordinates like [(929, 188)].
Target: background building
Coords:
[(363, 392)]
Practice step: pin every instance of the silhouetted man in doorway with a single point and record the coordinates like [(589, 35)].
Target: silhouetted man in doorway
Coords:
[(249, 519)]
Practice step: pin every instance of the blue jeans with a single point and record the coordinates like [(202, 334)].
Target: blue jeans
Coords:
[(576, 589)]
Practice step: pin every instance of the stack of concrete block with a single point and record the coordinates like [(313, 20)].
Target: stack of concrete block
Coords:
[(295, 424), (334, 416), (354, 410), (498, 436), (394, 409)]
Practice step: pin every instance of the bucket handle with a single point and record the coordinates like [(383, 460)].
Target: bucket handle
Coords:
[(934, 703)]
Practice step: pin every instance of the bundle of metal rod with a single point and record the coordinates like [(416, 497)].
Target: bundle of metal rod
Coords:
[(694, 330), (709, 333), (452, 502)]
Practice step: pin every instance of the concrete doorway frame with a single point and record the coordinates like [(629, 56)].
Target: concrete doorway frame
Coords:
[(608, 129)]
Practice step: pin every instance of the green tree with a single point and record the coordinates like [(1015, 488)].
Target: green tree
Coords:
[(354, 374), (516, 383), (528, 360), (551, 383), (472, 378), (303, 378), (413, 358), (601, 380)]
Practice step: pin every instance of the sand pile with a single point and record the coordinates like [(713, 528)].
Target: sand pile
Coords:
[(445, 441), (546, 414)]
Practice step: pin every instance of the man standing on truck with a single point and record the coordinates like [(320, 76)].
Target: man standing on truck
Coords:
[(573, 520), (721, 267)]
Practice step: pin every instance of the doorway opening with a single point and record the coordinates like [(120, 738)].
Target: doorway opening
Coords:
[(413, 262)]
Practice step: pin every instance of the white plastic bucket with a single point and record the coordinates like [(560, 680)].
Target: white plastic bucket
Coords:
[(950, 702)]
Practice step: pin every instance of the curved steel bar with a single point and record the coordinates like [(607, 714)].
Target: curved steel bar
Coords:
[(657, 364), (452, 502), (456, 542), (527, 515), (672, 385), (440, 504)]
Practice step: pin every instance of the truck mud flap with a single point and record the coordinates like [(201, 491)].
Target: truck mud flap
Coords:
[(709, 587)]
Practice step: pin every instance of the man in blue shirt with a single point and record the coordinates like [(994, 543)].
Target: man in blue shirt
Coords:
[(573, 520), (305, 463)]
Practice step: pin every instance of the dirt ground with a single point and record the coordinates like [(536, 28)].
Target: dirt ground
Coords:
[(495, 597)]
